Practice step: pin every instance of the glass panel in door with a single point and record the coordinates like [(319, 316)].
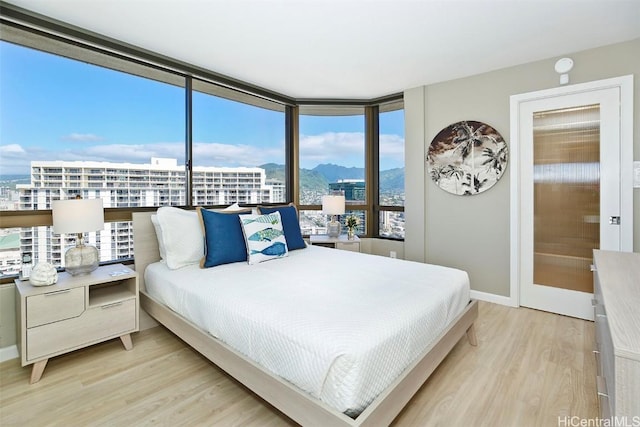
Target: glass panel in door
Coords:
[(566, 176)]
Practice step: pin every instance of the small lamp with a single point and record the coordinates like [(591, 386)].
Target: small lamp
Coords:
[(333, 205), (78, 216)]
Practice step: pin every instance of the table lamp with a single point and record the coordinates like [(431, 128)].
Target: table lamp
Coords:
[(333, 205), (78, 216)]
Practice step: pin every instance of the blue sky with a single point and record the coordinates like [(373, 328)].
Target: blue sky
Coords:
[(53, 108)]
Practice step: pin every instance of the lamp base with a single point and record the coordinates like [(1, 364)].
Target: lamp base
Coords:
[(81, 259), (333, 229)]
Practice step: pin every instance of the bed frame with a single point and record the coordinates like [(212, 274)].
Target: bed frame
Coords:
[(293, 402)]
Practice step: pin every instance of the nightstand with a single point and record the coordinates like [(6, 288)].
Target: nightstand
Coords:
[(340, 242), (76, 312)]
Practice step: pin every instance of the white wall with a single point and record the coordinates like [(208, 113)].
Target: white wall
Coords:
[(382, 247), (414, 174)]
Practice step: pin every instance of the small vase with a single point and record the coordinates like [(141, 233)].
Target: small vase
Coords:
[(350, 233)]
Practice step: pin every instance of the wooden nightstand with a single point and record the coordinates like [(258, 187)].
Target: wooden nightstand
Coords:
[(340, 242), (76, 312)]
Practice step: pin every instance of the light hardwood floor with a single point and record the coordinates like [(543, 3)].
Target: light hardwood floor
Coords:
[(529, 368)]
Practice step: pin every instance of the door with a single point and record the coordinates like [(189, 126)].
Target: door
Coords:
[(570, 191)]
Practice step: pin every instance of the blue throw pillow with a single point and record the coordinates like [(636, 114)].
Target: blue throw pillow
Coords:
[(290, 223), (223, 238)]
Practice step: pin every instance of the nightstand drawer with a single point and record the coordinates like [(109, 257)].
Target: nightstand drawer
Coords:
[(94, 325), (54, 306), (349, 246)]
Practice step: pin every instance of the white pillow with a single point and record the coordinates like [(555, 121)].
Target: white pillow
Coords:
[(156, 226), (231, 208), (182, 237), (264, 237), (236, 207)]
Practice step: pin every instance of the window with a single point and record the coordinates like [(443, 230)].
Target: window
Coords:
[(332, 159), (73, 128), (391, 191), (238, 148)]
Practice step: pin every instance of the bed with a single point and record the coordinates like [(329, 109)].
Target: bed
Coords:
[(363, 375)]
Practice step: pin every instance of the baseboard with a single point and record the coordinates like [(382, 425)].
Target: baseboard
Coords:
[(496, 299), (8, 353)]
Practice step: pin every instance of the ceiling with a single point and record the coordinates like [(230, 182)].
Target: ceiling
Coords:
[(348, 49)]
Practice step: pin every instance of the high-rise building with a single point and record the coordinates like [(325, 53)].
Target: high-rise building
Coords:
[(353, 189), (162, 182)]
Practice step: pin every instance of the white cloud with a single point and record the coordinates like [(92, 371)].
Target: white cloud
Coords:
[(12, 150), (391, 145), (343, 148), (216, 154), (82, 137), (14, 160), (127, 153), (347, 149), (391, 151)]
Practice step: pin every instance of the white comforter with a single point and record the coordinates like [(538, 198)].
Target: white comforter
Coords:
[(340, 325)]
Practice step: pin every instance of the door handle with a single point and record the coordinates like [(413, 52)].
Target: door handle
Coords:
[(614, 220)]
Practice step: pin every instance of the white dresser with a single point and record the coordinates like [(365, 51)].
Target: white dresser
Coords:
[(617, 324)]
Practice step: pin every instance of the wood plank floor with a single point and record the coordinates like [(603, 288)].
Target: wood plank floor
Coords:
[(529, 368)]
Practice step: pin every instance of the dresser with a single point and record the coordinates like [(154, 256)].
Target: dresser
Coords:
[(617, 329)]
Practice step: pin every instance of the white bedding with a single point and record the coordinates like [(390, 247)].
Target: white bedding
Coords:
[(340, 325)]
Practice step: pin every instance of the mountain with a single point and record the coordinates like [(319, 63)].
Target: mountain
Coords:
[(334, 173), (318, 178), (273, 171), (309, 179), (392, 179)]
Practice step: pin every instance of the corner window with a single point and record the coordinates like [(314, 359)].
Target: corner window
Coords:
[(391, 192)]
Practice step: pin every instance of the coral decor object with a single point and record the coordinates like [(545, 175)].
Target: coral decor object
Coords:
[(43, 274)]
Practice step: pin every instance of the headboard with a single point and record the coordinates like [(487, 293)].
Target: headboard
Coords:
[(145, 244)]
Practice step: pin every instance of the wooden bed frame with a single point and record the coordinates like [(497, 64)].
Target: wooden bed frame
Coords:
[(293, 402)]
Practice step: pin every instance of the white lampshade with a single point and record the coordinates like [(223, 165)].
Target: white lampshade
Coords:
[(333, 205), (77, 215)]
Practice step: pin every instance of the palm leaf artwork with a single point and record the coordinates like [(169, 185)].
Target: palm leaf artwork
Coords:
[(436, 173), (467, 157), (496, 160), (474, 184)]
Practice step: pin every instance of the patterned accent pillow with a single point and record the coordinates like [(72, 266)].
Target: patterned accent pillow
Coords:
[(264, 237)]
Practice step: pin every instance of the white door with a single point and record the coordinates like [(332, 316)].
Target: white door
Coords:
[(570, 192)]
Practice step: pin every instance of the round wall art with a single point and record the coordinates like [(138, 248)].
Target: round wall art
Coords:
[(467, 158)]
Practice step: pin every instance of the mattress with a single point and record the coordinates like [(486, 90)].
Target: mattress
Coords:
[(339, 325)]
